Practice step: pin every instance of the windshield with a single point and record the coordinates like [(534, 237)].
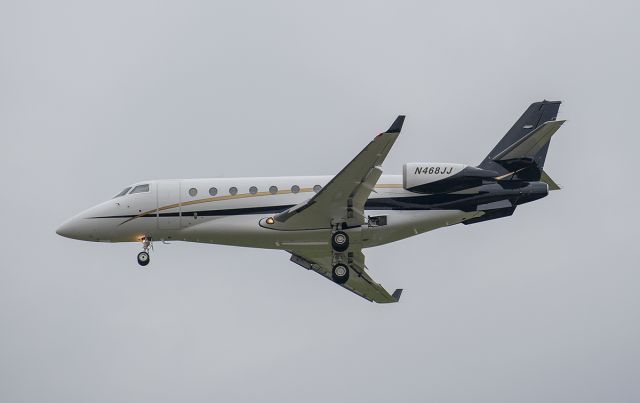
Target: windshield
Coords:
[(140, 189), (124, 192)]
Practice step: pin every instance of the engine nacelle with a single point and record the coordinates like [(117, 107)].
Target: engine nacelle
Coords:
[(416, 174), (436, 177)]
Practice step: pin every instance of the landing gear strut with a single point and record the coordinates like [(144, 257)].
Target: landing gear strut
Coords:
[(143, 257)]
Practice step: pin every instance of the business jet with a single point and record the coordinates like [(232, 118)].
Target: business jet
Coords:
[(325, 222)]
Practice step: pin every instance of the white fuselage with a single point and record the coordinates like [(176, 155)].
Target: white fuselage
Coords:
[(215, 213)]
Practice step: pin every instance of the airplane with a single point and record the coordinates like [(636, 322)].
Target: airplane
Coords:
[(325, 222)]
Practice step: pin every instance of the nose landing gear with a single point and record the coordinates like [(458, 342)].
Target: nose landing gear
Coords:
[(143, 257)]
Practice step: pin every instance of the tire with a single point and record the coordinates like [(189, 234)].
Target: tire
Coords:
[(339, 241), (143, 258), (340, 273)]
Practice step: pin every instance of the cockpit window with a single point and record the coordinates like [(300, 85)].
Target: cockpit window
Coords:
[(124, 192), (140, 189)]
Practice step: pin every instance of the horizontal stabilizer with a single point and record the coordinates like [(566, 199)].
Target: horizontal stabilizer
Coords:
[(544, 177), (529, 145)]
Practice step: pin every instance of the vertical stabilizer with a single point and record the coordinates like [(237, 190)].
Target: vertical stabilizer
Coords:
[(508, 156)]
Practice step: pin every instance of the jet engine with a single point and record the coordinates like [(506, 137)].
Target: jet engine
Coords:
[(435, 177)]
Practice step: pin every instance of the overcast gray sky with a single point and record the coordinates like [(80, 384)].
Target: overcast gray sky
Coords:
[(541, 306)]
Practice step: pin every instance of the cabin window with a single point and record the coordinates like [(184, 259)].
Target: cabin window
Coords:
[(317, 188), (140, 189), (233, 191), (193, 192), (213, 191), (273, 190), (253, 190), (124, 192), (295, 189)]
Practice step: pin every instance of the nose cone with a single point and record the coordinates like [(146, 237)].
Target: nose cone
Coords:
[(72, 229), (89, 225)]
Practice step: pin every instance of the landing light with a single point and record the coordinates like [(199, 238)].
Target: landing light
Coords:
[(270, 220)]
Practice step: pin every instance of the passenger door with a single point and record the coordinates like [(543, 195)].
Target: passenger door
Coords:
[(169, 205)]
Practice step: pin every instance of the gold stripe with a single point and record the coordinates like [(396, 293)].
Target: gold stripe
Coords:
[(504, 176), (508, 174), (389, 186), (237, 196)]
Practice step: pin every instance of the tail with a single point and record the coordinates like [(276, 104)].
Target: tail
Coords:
[(521, 153)]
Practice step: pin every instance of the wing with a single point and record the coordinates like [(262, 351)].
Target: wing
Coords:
[(342, 199), (359, 281)]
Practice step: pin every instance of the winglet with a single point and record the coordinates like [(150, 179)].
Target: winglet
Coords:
[(396, 126), (396, 294)]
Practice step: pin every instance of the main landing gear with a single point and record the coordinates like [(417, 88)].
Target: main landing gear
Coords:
[(340, 273), (339, 241), (143, 257), (339, 244)]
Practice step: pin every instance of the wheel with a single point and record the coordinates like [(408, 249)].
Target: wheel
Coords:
[(340, 273), (143, 258), (339, 241)]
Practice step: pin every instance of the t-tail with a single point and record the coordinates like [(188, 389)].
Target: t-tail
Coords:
[(512, 174), (521, 153)]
